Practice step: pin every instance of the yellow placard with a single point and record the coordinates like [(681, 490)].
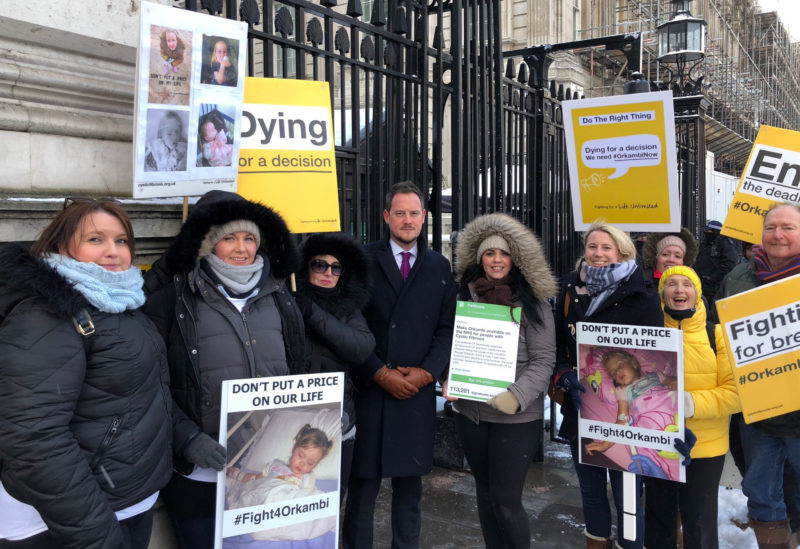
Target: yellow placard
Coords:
[(762, 332), (287, 159), (621, 153), (772, 175)]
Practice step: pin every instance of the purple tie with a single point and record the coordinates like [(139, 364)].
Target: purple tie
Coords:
[(405, 265)]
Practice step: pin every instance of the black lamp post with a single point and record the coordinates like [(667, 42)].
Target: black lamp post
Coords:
[(682, 41)]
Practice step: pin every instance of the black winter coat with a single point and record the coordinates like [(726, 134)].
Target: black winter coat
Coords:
[(85, 424), (632, 303), (175, 296), (413, 326), (337, 335)]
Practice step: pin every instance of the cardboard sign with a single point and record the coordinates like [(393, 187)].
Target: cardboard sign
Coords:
[(622, 161), (483, 357), (190, 72), (265, 424), (632, 409), (288, 160), (772, 175), (762, 332)]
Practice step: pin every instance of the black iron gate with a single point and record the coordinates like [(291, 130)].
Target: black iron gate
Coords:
[(420, 91)]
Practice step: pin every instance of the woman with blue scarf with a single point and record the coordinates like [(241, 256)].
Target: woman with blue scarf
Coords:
[(607, 287), (85, 421)]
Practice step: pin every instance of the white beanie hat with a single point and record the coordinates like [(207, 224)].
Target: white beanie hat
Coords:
[(216, 232), (495, 241)]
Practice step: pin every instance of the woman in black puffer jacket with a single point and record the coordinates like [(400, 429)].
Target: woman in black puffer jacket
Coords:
[(85, 430), (332, 287)]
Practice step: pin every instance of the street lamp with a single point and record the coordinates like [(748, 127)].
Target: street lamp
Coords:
[(682, 40)]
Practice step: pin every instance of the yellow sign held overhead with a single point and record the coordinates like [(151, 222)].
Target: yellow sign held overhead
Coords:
[(772, 175), (287, 159), (762, 332), (622, 161)]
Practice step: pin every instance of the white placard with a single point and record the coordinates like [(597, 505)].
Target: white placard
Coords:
[(483, 357)]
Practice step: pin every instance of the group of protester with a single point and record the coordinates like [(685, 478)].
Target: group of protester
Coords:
[(110, 381)]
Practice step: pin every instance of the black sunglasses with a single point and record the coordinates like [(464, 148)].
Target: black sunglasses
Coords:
[(319, 266), (70, 200)]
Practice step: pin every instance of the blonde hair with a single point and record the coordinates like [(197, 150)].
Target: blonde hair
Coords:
[(624, 243), (624, 356), (311, 437)]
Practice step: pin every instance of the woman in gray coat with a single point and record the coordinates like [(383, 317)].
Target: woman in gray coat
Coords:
[(500, 261)]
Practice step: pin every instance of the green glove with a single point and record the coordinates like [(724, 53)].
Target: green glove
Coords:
[(505, 402)]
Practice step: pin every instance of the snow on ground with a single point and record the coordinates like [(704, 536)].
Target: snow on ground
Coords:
[(733, 505), (732, 502)]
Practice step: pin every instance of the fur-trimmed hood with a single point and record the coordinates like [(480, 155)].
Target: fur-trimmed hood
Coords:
[(526, 251), (219, 207), (649, 249), (22, 275), (355, 285)]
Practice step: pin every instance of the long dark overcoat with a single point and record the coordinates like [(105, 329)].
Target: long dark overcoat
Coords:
[(413, 326)]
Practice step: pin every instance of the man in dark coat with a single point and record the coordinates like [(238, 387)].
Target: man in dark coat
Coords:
[(718, 255), (411, 314)]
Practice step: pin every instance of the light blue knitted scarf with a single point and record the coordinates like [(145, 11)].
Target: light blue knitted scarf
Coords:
[(108, 291)]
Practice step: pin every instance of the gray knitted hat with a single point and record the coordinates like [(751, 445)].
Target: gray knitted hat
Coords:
[(216, 232)]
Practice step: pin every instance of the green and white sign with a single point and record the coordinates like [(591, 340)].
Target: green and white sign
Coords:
[(483, 359)]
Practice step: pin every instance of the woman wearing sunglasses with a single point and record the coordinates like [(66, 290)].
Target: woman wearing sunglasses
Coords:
[(332, 287), (85, 436), (219, 298)]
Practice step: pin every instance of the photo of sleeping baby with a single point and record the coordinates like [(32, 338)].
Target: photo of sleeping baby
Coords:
[(635, 392), (291, 460), (215, 129)]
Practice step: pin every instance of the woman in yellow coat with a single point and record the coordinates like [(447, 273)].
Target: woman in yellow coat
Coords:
[(710, 399)]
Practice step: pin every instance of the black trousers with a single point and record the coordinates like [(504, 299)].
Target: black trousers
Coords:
[(696, 500), (357, 528), (499, 455), (192, 508), (136, 528)]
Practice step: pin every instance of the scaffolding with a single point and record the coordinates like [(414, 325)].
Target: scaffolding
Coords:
[(750, 70)]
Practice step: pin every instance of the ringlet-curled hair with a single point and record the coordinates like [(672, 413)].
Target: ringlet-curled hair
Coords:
[(311, 437), (58, 235)]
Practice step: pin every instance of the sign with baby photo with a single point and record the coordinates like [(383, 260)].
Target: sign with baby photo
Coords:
[(622, 161), (632, 409), (190, 84), (483, 356), (281, 482), (762, 335), (288, 159)]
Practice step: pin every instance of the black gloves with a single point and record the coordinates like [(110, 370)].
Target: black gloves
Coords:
[(204, 451)]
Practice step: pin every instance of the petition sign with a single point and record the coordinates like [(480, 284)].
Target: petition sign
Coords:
[(772, 175), (762, 332), (622, 163), (483, 357)]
